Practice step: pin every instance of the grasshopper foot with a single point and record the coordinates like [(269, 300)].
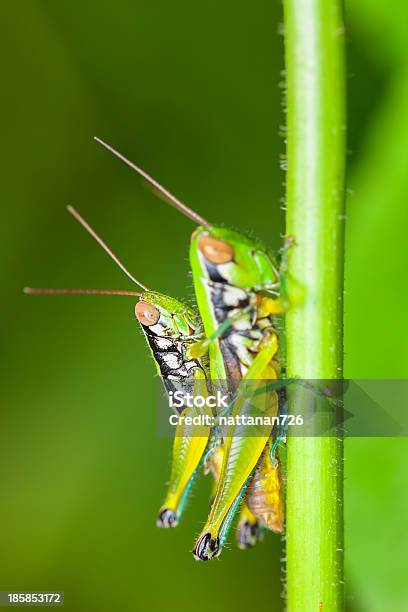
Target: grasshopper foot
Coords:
[(248, 534), (167, 518), (206, 547)]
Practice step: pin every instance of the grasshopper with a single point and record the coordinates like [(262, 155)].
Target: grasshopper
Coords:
[(237, 286), (171, 328)]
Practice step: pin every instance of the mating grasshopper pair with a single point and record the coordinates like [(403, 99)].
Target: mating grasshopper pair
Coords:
[(231, 339)]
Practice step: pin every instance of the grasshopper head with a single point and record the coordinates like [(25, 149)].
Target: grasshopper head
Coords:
[(162, 315), (227, 256)]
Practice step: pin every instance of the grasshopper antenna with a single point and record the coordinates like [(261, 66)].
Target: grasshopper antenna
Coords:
[(169, 197), (41, 291), (105, 247)]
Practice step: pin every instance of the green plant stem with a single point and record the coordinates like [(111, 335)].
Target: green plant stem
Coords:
[(314, 51)]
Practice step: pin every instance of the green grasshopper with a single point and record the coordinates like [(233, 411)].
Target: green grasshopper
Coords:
[(237, 283), (171, 328), (237, 286)]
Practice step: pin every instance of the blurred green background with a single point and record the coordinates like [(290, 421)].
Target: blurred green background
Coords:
[(193, 94)]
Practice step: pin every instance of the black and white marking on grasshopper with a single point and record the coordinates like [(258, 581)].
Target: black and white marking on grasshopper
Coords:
[(241, 340), (170, 355)]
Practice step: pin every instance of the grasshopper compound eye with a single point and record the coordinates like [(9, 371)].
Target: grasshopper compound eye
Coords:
[(146, 313), (215, 251)]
